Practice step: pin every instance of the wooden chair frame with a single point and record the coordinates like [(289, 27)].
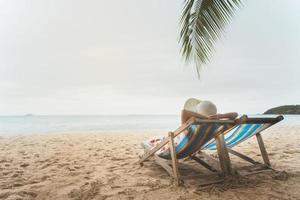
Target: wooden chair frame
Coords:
[(255, 167), (222, 166), (226, 169)]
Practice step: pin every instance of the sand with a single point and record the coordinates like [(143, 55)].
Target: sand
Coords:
[(104, 166)]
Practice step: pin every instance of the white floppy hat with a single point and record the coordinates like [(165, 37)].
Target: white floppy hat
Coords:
[(206, 108), (202, 107), (191, 104)]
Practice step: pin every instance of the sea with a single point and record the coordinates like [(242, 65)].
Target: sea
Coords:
[(53, 124)]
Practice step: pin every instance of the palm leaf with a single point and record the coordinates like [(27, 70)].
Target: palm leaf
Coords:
[(202, 24)]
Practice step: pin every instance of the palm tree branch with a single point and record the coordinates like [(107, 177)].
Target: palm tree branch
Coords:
[(202, 24)]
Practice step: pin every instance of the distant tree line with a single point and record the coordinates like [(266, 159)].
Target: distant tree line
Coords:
[(286, 109)]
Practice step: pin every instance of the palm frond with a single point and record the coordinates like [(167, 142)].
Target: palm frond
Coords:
[(202, 24)]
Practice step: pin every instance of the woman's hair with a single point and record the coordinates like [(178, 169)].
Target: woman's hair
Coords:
[(206, 108)]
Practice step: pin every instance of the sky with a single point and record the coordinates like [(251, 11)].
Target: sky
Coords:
[(122, 57)]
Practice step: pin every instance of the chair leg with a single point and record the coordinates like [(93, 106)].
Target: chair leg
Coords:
[(224, 158), (174, 159), (263, 150), (242, 156), (204, 164)]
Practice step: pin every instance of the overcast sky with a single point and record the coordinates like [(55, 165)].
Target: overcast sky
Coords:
[(122, 57)]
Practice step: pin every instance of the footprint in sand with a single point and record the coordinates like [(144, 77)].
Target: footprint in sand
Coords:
[(111, 180), (89, 190), (117, 159), (60, 165), (271, 154), (18, 184), (46, 165), (27, 194), (70, 169), (3, 161), (128, 192), (95, 154), (5, 173), (124, 164), (292, 151), (19, 172), (24, 165)]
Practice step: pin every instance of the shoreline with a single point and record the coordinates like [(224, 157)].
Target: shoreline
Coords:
[(116, 132), (11, 126)]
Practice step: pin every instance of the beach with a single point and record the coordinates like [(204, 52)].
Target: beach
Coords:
[(104, 166), (86, 87)]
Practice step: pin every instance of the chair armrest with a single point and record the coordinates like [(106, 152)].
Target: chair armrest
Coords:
[(231, 115)]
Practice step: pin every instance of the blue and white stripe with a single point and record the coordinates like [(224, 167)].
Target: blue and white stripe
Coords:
[(241, 133)]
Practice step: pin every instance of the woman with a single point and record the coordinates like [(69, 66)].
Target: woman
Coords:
[(192, 108), (202, 109)]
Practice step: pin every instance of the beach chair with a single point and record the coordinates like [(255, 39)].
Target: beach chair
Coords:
[(210, 136), (249, 127)]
